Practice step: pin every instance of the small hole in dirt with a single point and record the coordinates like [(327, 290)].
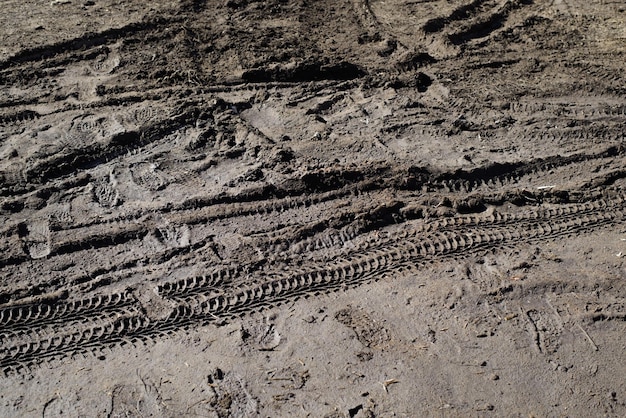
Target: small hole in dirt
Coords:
[(102, 358), (353, 411)]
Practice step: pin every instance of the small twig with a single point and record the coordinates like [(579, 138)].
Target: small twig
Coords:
[(595, 347), (203, 401), (389, 382), (47, 404), (529, 198)]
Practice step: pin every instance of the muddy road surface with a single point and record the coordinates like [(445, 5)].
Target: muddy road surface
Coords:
[(313, 208)]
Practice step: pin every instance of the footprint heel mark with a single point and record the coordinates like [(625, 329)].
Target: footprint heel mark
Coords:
[(105, 62), (35, 238), (141, 116), (86, 131)]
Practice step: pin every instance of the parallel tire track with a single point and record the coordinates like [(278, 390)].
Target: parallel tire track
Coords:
[(27, 340), (495, 220), (76, 237)]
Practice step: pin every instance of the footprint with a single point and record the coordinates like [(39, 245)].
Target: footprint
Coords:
[(86, 130), (147, 176), (107, 61), (369, 332), (140, 116), (173, 236), (136, 401), (106, 193), (153, 305), (261, 336), (60, 214), (62, 406), (36, 238), (546, 331), (230, 397), (14, 174)]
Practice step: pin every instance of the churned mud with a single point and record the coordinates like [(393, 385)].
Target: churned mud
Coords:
[(355, 208)]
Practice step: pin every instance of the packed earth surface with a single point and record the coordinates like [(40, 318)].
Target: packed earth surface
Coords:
[(284, 208)]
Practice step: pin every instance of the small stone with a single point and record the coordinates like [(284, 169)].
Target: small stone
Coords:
[(494, 376)]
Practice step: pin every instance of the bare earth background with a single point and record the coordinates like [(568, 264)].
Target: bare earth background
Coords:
[(354, 208)]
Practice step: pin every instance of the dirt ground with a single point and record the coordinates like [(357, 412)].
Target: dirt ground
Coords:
[(353, 208)]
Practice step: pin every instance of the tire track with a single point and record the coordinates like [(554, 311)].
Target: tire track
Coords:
[(197, 284), (25, 316), (18, 118), (112, 232), (351, 238), (26, 341), (67, 241), (11, 340), (117, 230)]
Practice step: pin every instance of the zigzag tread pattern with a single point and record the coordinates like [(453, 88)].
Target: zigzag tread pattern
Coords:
[(114, 319)]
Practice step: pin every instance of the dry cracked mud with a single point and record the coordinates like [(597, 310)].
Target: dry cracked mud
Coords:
[(354, 208)]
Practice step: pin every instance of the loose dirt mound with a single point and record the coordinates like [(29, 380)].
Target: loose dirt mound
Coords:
[(293, 208)]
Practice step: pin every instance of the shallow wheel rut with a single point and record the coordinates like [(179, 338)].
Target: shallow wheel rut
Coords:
[(33, 333)]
